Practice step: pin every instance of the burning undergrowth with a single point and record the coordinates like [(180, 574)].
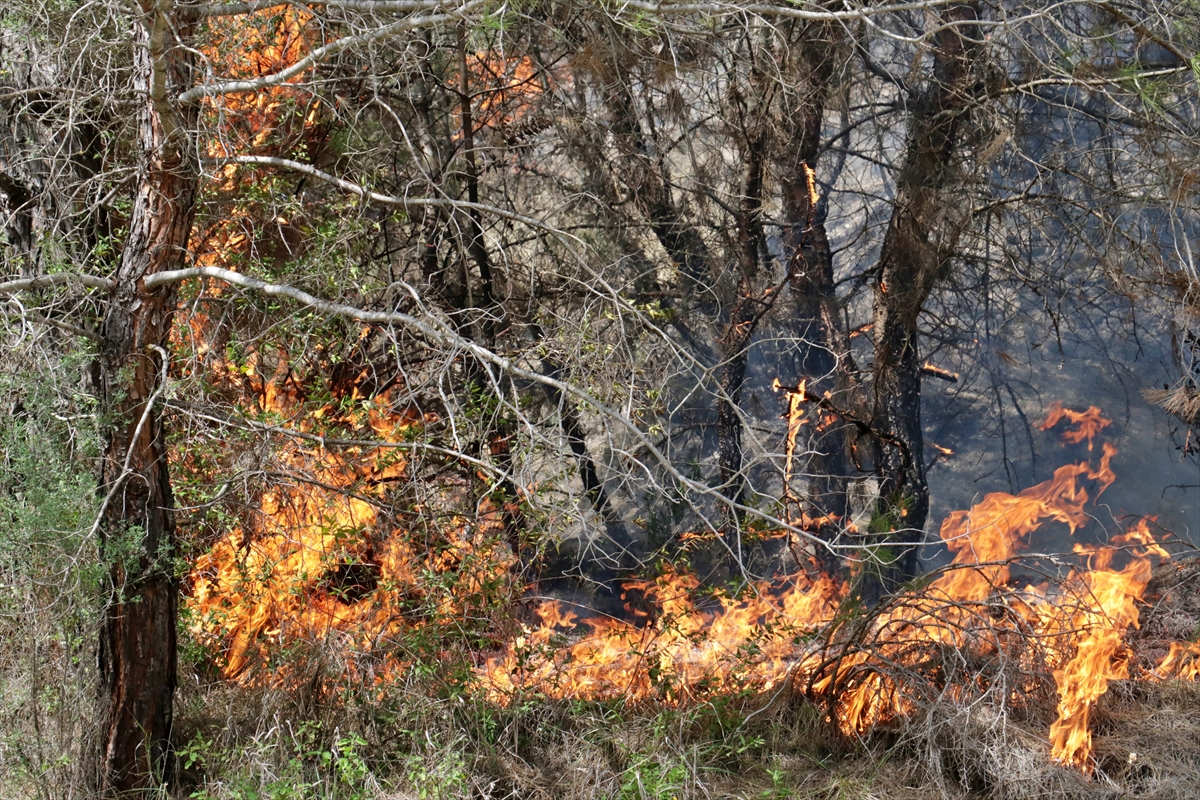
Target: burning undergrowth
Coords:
[(1017, 643), (975, 631), (334, 553)]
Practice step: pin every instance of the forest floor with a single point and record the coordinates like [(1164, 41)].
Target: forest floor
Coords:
[(428, 741), (1146, 745)]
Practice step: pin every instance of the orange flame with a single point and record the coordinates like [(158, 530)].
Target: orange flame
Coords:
[(1183, 661), (508, 88), (795, 419), (810, 178), (684, 653), (1090, 423), (320, 561), (1099, 655)]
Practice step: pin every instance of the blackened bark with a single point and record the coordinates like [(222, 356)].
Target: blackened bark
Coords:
[(753, 297), (749, 305), (15, 207), (810, 271), (915, 254), (451, 293), (137, 637), (593, 486), (22, 175), (431, 229), (682, 242), (486, 323)]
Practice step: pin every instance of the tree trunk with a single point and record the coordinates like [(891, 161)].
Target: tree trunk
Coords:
[(645, 174), (916, 252), (484, 325), (810, 270), (137, 525), (750, 303)]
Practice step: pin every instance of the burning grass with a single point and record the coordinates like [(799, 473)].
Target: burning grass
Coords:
[(991, 675), (969, 633)]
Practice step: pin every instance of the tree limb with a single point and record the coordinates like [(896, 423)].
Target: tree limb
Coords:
[(442, 333), (57, 279), (321, 53)]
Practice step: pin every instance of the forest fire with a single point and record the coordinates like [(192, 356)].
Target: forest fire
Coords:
[(1072, 627), (389, 407), (324, 558), (323, 562), (270, 40), (683, 654), (319, 562)]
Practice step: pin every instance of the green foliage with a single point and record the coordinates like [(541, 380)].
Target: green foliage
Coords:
[(311, 765), (47, 486), (49, 573), (443, 777), (649, 779)]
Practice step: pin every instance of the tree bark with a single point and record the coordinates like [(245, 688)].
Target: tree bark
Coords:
[(485, 322), (916, 252), (810, 272), (137, 524), (645, 174), (749, 305)]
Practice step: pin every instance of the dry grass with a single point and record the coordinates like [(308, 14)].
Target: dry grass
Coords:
[(1182, 400), (423, 741), (413, 744), (1148, 739)]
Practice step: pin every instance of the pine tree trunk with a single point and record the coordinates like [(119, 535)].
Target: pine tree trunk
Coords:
[(137, 638)]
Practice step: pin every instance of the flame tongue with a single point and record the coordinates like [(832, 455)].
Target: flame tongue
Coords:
[(1109, 609), (1089, 423), (994, 530), (1182, 661)]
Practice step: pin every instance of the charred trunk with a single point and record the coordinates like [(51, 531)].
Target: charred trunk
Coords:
[(484, 297), (751, 302), (749, 305), (916, 253), (825, 364)]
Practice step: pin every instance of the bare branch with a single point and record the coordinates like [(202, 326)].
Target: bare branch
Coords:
[(436, 331), (376, 6), (376, 197), (321, 53), (57, 279)]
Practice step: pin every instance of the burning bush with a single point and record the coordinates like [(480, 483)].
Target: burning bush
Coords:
[(998, 637)]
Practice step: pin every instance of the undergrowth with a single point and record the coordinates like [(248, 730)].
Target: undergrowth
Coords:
[(427, 736), (420, 741)]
